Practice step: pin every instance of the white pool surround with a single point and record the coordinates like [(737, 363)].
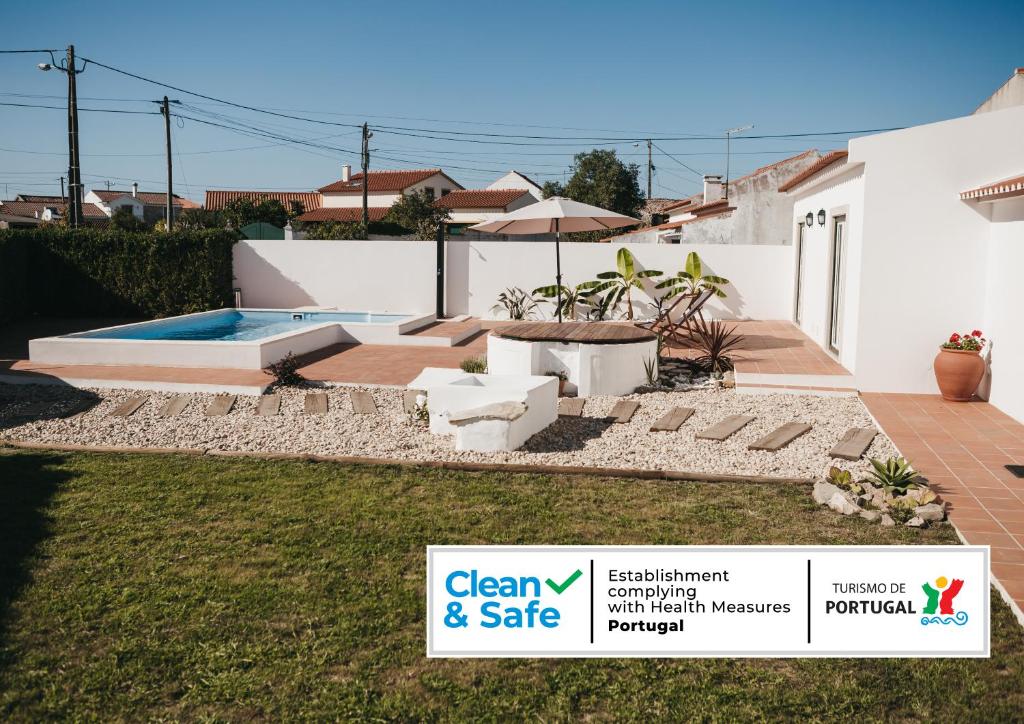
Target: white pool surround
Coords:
[(115, 345)]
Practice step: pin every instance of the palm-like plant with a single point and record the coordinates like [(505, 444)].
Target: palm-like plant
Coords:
[(692, 280), (517, 303), (620, 283), (571, 297)]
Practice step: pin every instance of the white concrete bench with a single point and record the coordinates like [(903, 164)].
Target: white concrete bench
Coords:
[(488, 428)]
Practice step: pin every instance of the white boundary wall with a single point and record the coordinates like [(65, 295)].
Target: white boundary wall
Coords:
[(399, 276)]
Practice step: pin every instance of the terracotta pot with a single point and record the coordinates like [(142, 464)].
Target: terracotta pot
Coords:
[(561, 387), (958, 372)]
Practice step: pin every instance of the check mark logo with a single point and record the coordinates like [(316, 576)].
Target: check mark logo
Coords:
[(559, 588)]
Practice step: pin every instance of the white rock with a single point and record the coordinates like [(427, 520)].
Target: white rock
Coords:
[(887, 522), (841, 504), (930, 512), (871, 516), (823, 492), (915, 522)]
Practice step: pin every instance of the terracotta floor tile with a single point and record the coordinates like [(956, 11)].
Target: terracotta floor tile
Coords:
[(996, 540), (1007, 555)]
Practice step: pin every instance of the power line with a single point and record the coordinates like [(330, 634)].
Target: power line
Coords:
[(91, 110)]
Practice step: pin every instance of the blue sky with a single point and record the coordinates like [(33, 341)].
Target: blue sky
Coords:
[(617, 70)]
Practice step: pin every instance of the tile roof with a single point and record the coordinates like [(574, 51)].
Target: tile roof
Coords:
[(41, 198), (670, 225), (30, 208), (216, 200), (384, 181), (771, 166), (999, 190), (148, 198), (712, 207), (683, 202), (820, 165), (480, 199), (328, 213)]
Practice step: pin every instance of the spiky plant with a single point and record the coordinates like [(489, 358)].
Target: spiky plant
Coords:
[(715, 339), (894, 475)]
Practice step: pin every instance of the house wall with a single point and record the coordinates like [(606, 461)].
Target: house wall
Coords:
[(512, 180), (437, 182), (1004, 305), (399, 276), (926, 252), (841, 195)]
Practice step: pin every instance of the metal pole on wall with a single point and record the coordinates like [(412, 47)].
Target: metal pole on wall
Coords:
[(169, 218), (558, 272), (74, 169), (439, 313)]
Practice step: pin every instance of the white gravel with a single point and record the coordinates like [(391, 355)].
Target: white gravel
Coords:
[(585, 441)]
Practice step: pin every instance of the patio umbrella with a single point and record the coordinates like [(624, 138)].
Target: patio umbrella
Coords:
[(555, 215)]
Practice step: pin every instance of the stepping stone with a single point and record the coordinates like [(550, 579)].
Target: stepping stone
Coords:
[(854, 443), (409, 400), (174, 406), (780, 437), (221, 405), (269, 405), (362, 402), (316, 403), (671, 420), (129, 406), (570, 406), (724, 428), (623, 411)]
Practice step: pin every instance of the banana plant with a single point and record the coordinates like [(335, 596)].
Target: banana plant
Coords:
[(572, 297), (692, 280), (620, 283)]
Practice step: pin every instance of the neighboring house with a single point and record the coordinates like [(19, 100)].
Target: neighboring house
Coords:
[(516, 180), (748, 212), (652, 213), (1009, 94), (306, 200), (469, 207), (149, 206), (343, 199), (908, 237), (20, 212)]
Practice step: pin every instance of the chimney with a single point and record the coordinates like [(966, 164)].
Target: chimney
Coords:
[(135, 189), (346, 173), (713, 190)]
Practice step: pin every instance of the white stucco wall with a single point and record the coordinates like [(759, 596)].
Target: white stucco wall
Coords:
[(1004, 305), (399, 275), (513, 180), (437, 182), (925, 257), (841, 195)]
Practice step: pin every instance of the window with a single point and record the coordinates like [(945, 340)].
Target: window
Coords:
[(445, 192), (429, 192)]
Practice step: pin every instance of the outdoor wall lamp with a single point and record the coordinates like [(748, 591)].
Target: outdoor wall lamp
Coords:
[(810, 218), (821, 217)]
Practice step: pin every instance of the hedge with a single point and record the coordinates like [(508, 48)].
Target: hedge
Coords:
[(54, 271)]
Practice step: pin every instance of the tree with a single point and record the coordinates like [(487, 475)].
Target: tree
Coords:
[(242, 212), (126, 220), (599, 178), (417, 214), (190, 219)]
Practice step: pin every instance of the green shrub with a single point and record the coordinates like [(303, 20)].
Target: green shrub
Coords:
[(286, 371), (55, 271), (474, 365)]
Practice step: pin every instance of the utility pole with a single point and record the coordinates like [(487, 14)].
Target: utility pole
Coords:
[(74, 170), (728, 152), (62, 199), (366, 175), (650, 169), (169, 219)]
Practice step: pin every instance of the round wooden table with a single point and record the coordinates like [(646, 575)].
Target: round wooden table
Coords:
[(595, 358)]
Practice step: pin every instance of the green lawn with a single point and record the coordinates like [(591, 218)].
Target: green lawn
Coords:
[(170, 587)]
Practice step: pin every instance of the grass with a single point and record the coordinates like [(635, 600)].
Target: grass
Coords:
[(172, 587)]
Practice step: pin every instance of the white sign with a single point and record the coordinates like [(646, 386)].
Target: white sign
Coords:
[(701, 601)]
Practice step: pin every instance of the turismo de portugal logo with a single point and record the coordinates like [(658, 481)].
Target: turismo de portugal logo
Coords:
[(940, 600)]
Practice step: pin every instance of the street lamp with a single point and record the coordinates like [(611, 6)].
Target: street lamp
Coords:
[(67, 67)]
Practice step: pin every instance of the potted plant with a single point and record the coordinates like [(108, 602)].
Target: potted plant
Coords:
[(959, 366), (562, 377)]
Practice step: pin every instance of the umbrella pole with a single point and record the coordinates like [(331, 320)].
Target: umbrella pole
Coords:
[(558, 273)]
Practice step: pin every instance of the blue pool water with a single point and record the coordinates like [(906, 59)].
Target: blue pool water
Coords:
[(230, 325)]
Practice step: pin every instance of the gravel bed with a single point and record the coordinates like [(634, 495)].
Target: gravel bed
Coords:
[(31, 413)]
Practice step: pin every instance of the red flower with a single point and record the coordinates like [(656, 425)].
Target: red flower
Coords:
[(954, 338), (976, 333)]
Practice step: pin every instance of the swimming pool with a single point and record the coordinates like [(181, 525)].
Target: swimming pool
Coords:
[(235, 325), (229, 338)]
